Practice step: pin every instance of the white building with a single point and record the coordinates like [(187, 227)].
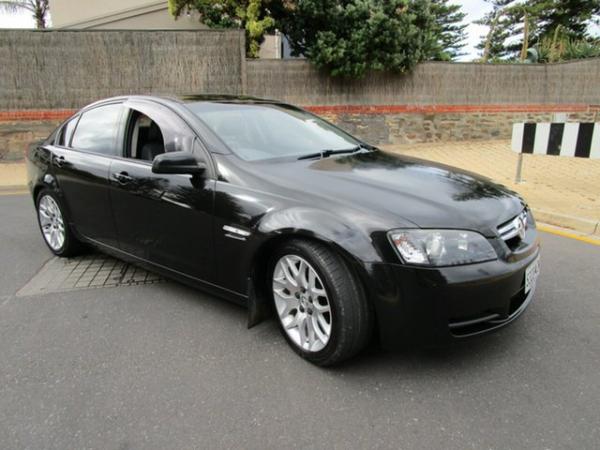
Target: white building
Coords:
[(118, 14), (134, 15)]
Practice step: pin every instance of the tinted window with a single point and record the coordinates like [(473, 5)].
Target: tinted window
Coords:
[(66, 132), (98, 129), (144, 138), (256, 132)]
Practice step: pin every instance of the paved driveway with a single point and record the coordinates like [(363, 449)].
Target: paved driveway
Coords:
[(163, 366)]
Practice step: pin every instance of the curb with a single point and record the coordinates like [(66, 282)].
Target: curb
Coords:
[(13, 190), (566, 233), (585, 226), (13, 187)]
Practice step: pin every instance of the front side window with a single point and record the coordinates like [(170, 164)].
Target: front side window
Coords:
[(145, 139), (152, 130), (258, 132), (98, 129)]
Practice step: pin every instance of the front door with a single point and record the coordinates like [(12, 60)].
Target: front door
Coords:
[(161, 218)]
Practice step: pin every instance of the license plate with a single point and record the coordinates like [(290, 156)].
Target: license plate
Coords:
[(531, 275)]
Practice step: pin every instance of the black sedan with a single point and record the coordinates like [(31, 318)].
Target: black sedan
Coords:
[(270, 206)]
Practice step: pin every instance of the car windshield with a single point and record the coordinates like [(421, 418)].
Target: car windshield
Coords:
[(265, 131)]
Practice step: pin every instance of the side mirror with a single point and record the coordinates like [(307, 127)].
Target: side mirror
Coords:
[(178, 163)]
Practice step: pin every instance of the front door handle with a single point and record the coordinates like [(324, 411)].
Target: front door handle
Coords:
[(59, 160), (122, 177)]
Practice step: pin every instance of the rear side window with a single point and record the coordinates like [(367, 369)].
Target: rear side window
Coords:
[(64, 139), (98, 130)]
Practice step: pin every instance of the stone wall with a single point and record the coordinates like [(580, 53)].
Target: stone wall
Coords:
[(411, 128), (375, 127), (16, 136)]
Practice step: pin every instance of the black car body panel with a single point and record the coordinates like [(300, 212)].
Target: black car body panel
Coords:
[(215, 230)]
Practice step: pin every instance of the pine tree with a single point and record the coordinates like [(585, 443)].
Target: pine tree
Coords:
[(573, 16), (516, 26), (449, 28), (492, 45)]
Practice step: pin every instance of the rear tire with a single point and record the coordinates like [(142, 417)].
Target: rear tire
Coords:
[(54, 225), (320, 304)]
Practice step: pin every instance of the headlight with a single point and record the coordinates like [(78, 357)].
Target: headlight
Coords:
[(441, 247)]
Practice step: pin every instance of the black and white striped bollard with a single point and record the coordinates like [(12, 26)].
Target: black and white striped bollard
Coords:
[(581, 140)]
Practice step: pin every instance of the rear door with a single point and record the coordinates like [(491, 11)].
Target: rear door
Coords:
[(162, 218), (81, 161)]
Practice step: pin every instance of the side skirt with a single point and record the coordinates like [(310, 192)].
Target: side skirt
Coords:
[(205, 286)]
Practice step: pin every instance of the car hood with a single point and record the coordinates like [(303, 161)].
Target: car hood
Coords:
[(424, 193)]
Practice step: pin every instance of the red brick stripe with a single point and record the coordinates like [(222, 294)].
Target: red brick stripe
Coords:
[(35, 114), (61, 114)]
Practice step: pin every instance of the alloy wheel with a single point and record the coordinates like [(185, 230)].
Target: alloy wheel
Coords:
[(51, 222), (302, 303)]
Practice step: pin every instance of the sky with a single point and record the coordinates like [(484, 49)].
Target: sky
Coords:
[(16, 20), (475, 9)]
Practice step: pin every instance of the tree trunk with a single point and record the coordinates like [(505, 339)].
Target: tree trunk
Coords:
[(40, 8), (488, 41), (525, 36), (553, 57), (40, 23)]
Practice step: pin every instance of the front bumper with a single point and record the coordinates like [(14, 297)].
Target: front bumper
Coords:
[(433, 306)]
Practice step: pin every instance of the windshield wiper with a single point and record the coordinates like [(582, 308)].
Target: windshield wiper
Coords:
[(327, 152)]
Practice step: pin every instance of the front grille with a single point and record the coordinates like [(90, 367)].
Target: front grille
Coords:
[(513, 231)]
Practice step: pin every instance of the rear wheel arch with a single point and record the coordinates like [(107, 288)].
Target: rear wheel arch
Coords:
[(71, 245), (36, 191), (48, 181)]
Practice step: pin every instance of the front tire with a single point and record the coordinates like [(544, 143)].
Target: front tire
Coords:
[(54, 225), (320, 304)]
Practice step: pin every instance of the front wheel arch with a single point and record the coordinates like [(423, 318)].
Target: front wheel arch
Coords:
[(259, 300), (350, 313)]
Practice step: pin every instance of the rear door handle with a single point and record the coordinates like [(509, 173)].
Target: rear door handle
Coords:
[(122, 177)]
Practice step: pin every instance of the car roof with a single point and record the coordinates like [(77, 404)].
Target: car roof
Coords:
[(177, 102), (224, 98), (191, 98)]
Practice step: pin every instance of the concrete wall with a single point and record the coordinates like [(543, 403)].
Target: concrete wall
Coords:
[(297, 81), (68, 69), (271, 47)]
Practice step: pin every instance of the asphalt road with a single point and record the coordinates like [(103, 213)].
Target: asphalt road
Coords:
[(163, 366)]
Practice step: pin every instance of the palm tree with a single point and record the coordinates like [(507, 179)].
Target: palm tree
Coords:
[(38, 9)]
